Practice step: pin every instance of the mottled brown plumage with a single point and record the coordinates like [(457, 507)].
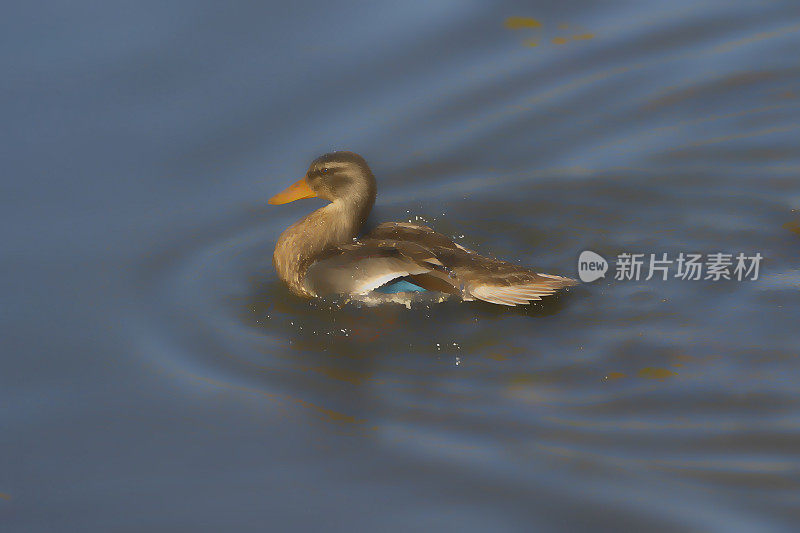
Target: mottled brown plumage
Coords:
[(319, 255)]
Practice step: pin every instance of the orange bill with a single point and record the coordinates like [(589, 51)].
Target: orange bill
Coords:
[(296, 191)]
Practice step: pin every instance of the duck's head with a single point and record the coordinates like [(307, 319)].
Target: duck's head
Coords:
[(337, 176)]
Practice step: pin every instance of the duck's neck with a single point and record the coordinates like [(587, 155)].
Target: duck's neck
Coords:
[(305, 240)]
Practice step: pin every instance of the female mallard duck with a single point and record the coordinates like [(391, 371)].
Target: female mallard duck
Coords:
[(319, 255)]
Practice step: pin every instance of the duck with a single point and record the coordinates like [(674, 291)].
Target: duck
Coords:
[(321, 255)]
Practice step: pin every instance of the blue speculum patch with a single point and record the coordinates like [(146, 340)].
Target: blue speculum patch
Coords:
[(402, 285)]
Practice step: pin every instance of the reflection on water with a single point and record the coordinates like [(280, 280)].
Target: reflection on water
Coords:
[(534, 38), (154, 358)]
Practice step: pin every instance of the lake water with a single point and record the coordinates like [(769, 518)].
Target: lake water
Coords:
[(157, 376)]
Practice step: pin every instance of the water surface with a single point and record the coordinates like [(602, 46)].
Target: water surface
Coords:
[(157, 375)]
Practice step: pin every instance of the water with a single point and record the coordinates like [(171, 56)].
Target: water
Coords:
[(157, 376)]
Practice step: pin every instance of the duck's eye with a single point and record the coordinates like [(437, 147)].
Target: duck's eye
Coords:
[(325, 170)]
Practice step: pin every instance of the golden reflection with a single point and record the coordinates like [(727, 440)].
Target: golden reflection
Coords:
[(656, 373), (517, 23), (614, 375), (5, 496), (793, 226)]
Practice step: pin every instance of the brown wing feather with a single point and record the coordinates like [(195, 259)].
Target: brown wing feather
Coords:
[(466, 272)]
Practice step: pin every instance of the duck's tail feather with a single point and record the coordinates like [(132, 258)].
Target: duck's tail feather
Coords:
[(517, 293)]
